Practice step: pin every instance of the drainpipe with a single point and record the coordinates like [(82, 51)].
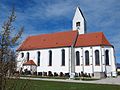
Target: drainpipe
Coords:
[(101, 59), (72, 60), (82, 60), (92, 61)]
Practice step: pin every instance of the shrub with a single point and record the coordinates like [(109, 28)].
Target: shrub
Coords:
[(40, 73), (118, 73), (44, 73), (61, 74), (67, 75), (55, 74), (50, 73), (34, 73)]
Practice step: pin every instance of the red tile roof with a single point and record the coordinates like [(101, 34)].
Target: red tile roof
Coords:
[(60, 39), (30, 62), (63, 39), (92, 39)]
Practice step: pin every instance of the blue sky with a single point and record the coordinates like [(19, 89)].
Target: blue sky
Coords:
[(48, 16)]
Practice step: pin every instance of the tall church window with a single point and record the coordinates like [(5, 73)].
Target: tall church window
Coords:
[(38, 58), (28, 56), (87, 57), (50, 58), (97, 61), (107, 57), (63, 57), (77, 58), (22, 55)]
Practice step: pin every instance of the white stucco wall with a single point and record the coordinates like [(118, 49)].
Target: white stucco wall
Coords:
[(111, 68), (44, 59), (57, 58), (91, 68)]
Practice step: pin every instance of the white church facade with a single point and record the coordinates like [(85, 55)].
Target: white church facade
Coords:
[(70, 52)]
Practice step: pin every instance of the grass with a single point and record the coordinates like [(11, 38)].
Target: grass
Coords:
[(19, 84)]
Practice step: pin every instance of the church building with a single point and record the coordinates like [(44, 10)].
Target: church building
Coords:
[(71, 52)]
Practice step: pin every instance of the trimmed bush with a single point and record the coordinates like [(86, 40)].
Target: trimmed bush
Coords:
[(55, 74), (61, 74), (50, 73)]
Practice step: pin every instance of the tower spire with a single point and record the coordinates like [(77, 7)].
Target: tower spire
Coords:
[(78, 22)]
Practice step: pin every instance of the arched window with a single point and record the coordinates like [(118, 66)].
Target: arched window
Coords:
[(77, 24), (97, 61), (38, 58), (50, 58), (63, 57), (77, 58), (28, 56), (22, 55), (87, 57), (107, 57)]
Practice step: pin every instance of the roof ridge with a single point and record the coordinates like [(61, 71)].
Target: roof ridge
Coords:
[(59, 39), (91, 33), (53, 33), (92, 39)]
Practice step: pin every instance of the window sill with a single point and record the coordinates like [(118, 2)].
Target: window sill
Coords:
[(77, 65), (87, 65), (106, 65), (97, 65), (49, 65)]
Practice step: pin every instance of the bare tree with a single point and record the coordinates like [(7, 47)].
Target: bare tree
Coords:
[(7, 41)]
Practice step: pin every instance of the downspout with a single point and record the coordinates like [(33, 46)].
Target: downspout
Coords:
[(82, 60), (92, 61), (101, 59), (72, 60), (69, 67), (105, 61)]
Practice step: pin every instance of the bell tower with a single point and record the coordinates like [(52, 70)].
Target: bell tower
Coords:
[(78, 22)]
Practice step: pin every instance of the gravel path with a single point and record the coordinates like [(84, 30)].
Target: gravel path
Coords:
[(114, 81)]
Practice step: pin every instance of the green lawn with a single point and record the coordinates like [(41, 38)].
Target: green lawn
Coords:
[(50, 85)]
